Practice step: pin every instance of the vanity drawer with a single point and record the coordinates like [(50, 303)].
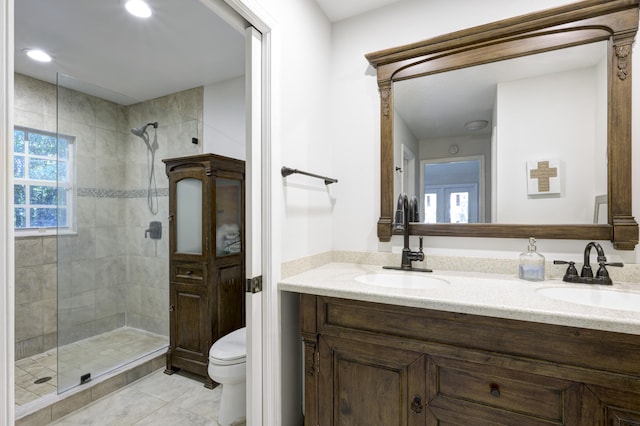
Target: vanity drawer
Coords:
[(190, 273), (457, 383)]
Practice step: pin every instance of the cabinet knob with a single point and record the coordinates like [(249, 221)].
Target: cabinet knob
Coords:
[(495, 390), (416, 404)]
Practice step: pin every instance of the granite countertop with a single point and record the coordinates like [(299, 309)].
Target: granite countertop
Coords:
[(494, 295)]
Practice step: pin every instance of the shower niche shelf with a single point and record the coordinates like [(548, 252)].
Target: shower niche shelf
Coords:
[(206, 257)]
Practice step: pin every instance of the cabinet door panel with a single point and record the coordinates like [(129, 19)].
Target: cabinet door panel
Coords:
[(622, 408), (188, 207), (363, 384), (231, 299), (189, 332), (619, 417)]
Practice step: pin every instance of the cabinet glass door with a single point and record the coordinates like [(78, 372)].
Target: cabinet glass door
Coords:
[(228, 216), (189, 216)]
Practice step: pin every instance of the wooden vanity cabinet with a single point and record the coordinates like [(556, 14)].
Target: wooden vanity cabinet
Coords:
[(371, 363), (206, 257)]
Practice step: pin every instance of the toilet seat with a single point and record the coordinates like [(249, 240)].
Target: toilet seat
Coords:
[(230, 349)]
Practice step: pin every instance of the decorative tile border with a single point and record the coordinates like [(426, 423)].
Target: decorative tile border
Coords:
[(119, 193)]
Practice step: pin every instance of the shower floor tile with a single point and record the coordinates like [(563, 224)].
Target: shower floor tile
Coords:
[(97, 355)]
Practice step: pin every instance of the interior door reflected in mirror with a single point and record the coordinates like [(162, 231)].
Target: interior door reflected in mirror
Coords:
[(543, 99), (453, 191)]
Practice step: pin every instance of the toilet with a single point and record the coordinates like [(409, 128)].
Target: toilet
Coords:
[(227, 366)]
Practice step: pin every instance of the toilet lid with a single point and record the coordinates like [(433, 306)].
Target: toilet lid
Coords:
[(231, 347)]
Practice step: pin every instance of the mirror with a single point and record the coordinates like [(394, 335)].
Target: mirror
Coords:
[(475, 129), (523, 165)]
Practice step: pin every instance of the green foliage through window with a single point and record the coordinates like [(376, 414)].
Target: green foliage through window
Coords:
[(42, 176)]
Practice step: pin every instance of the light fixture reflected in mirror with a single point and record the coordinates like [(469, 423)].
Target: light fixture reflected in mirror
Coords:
[(475, 125)]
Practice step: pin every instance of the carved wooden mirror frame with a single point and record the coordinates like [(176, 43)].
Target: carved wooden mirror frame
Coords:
[(588, 21)]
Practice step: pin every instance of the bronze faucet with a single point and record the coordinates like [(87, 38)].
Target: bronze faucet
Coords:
[(408, 256), (586, 275)]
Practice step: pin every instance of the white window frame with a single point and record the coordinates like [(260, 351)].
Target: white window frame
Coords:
[(67, 185)]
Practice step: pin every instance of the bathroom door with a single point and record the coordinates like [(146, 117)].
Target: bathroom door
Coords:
[(254, 216)]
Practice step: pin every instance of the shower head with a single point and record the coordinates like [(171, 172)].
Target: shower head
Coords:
[(140, 131)]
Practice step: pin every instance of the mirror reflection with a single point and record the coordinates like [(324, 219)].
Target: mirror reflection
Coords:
[(517, 141)]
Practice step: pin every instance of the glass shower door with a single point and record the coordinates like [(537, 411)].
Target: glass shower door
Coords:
[(112, 286)]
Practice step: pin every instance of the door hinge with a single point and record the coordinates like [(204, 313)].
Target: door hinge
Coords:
[(317, 355), (254, 285)]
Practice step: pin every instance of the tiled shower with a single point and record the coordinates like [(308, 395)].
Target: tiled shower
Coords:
[(106, 277)]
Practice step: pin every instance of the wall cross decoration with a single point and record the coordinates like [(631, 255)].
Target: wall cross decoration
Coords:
[(543, 177), (543, 173)]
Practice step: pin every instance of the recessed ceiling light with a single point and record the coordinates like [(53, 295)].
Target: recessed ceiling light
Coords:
[(138, 8), (476, 125), (38, 55)]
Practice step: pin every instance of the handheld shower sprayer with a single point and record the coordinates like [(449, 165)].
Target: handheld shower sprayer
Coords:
[(141, 132)]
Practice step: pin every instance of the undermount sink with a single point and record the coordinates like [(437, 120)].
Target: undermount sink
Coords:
[(596, 297), (406, 281)]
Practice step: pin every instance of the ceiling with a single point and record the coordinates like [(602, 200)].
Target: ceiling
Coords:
[(337, 10), (439, 105), (113, 55)]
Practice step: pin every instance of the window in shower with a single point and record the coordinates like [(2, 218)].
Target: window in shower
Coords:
[(43, 176)]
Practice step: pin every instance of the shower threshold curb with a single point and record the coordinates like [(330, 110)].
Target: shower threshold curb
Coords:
[(53, 407)]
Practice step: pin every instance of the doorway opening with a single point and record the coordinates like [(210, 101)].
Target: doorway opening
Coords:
[(453, 190)]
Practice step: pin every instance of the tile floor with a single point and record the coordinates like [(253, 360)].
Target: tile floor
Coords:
[(157, 399), (97, 355)]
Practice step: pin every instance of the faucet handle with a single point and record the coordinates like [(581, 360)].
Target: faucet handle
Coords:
[(571, 269), (420, 248), (602, 271)]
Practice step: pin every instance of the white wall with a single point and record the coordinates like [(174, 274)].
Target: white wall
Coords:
[(355, 118), (224, 119), (303, 137), (551, 117)]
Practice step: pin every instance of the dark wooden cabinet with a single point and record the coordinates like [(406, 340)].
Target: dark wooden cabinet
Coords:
[(369, 363), (206, 257), (356, 376)]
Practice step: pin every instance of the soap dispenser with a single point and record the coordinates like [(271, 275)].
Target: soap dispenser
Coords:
[(531, 263)]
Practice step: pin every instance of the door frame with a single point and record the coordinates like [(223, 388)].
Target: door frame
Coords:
[(481, 184), (270, 388), (7, 321), (253, 96)]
